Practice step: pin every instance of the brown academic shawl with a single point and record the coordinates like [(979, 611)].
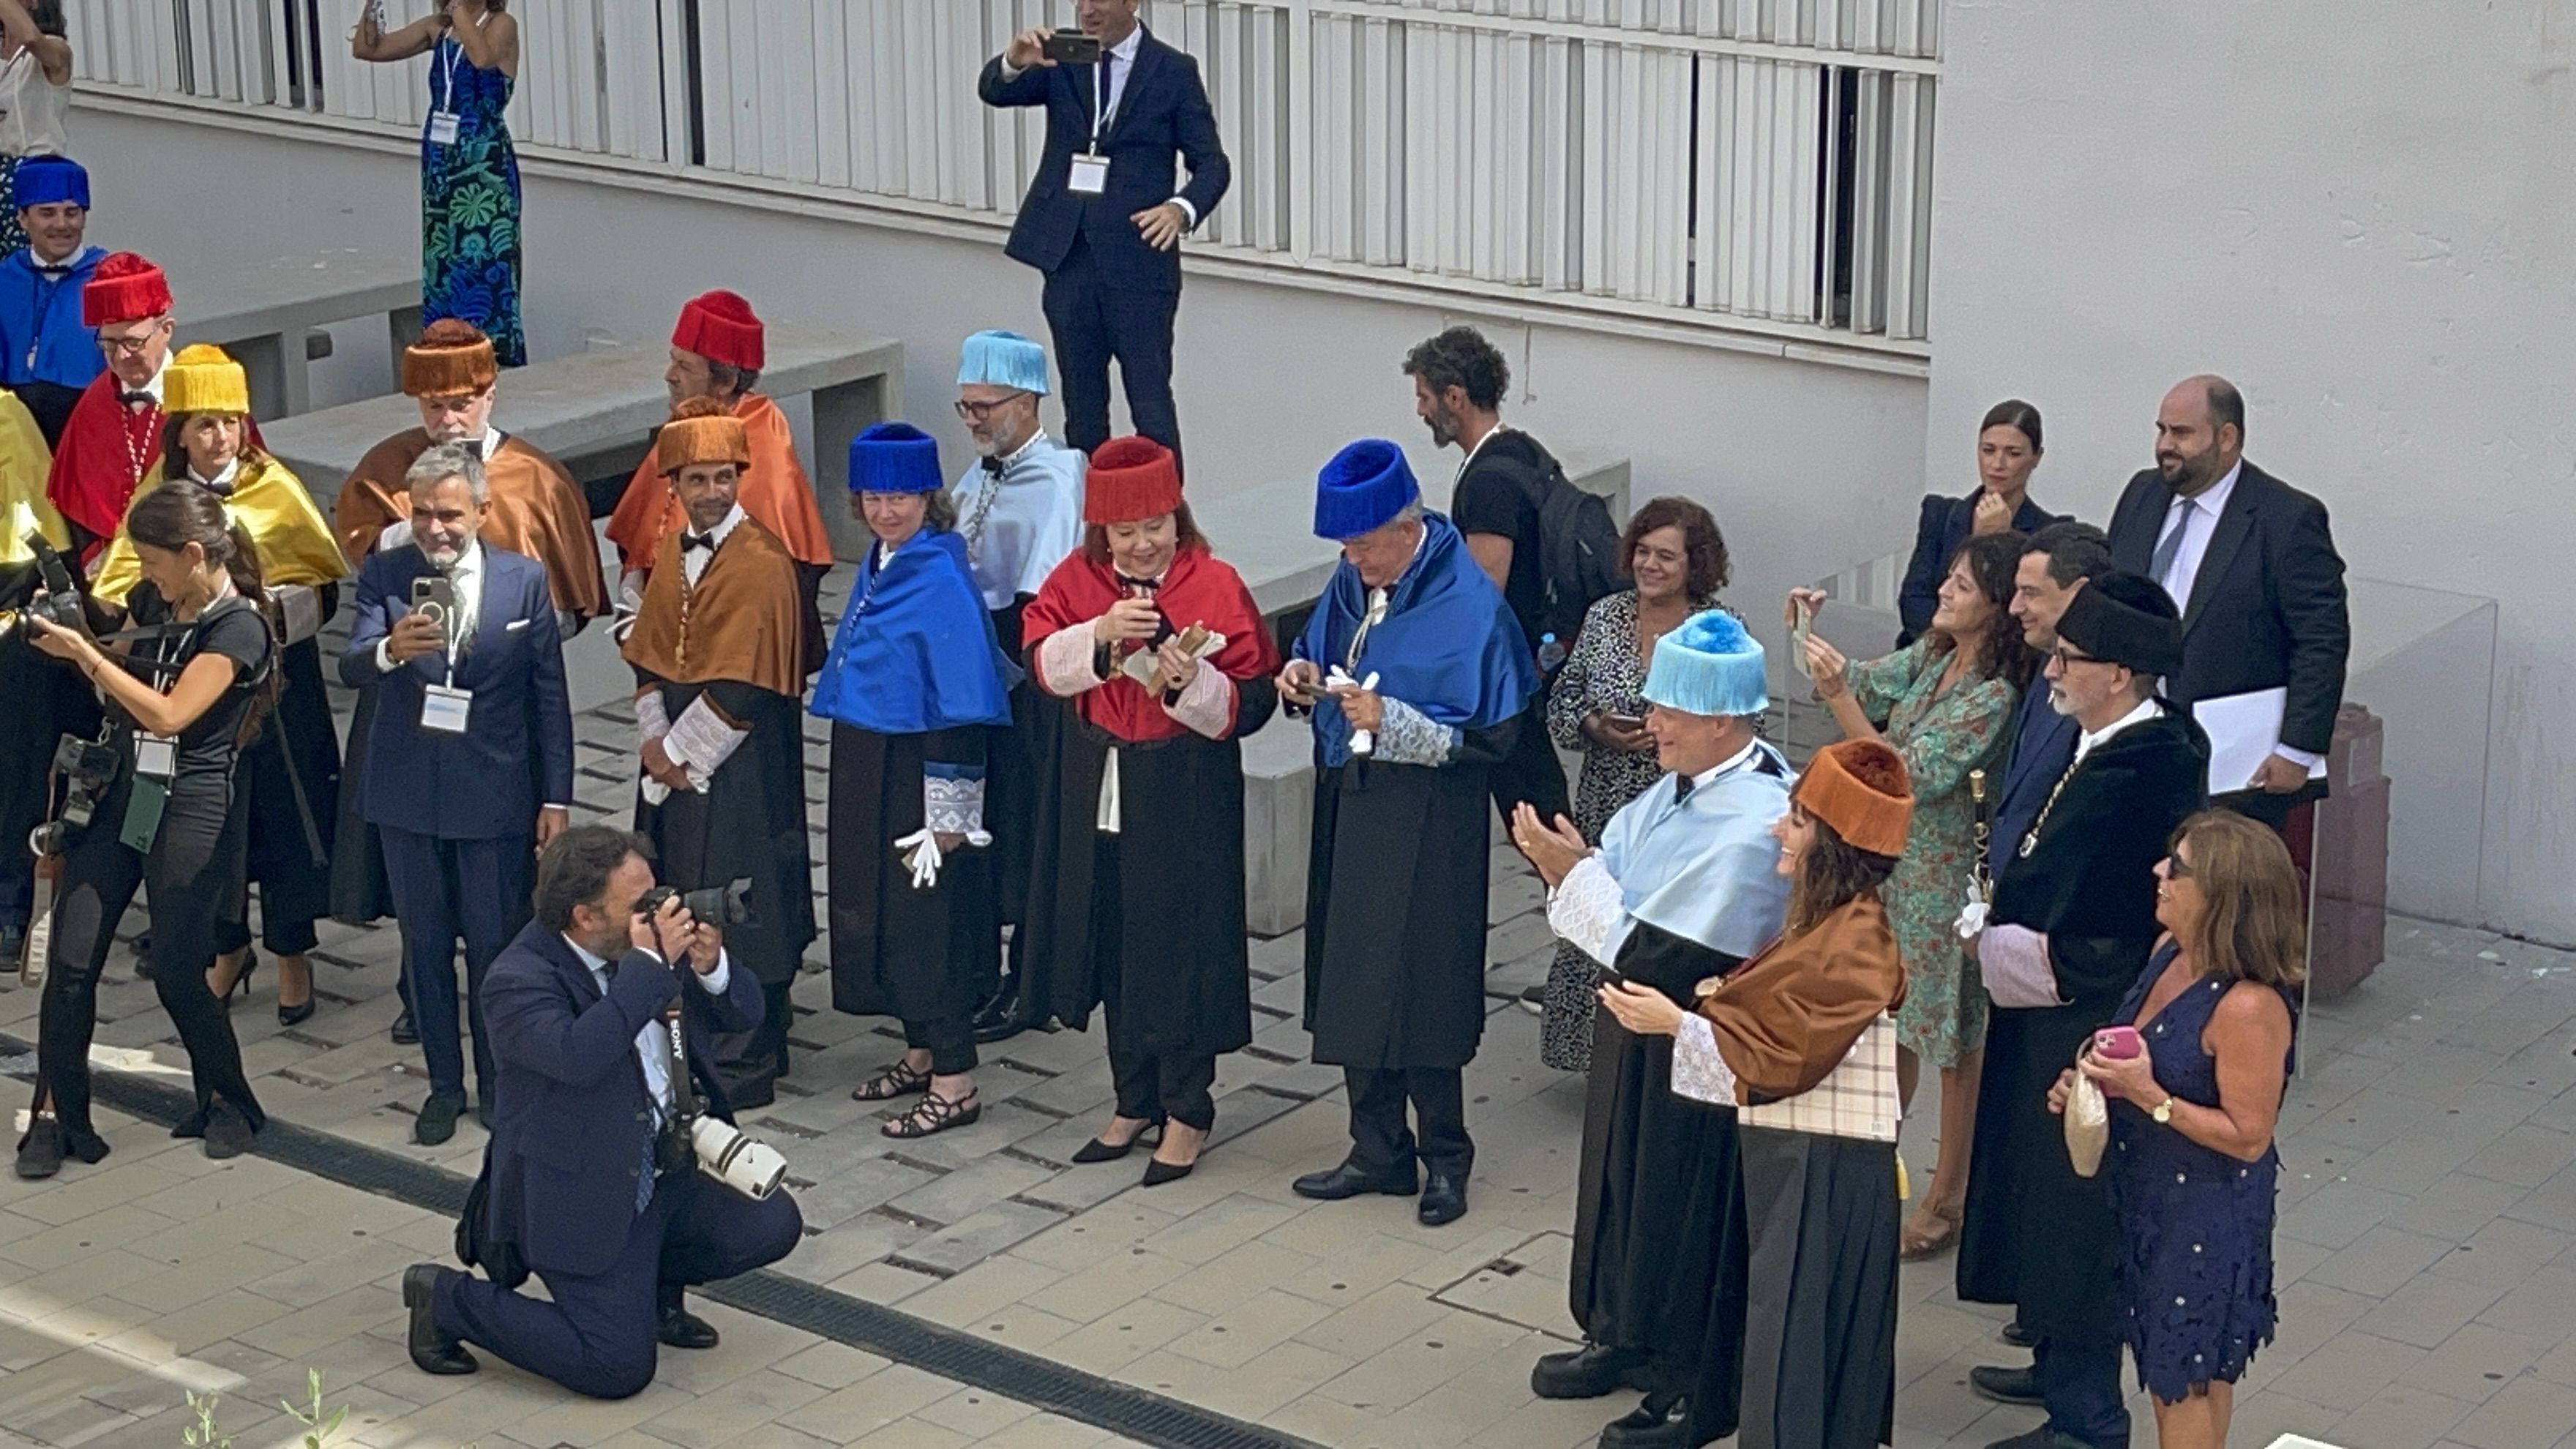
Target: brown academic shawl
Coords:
[(744, 621), (535, 509), (1788, 1017)]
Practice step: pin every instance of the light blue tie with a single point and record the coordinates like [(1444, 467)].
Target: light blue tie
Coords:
[(2169, 547)]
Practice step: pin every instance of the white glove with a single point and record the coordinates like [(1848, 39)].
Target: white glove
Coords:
[(1363, 742), (1972, 913), (923, 856)]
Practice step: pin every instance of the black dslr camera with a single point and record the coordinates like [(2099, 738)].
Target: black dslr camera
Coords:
[(87, 768), (60, 603), (724, 905)]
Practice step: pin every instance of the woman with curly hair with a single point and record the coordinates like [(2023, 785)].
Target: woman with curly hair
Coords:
[(1945, 703)]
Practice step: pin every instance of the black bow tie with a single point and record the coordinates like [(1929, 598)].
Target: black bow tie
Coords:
[(1148, 585), (131, 398), (1682, 786), (57, 273), (994, 467), (705, 541)]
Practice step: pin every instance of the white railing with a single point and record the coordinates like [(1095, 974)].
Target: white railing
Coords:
[(1756, 163)]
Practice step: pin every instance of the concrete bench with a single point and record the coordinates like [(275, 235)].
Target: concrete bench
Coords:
[(594, 412), (263, 313), (1267, 533)]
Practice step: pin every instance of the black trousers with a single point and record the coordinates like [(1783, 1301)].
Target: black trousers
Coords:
[(597, 1336), (443, 890), (950, 1041), (1165, 1084), (1531, 772), (1093, 322), (194, 872), (1380, 1139)]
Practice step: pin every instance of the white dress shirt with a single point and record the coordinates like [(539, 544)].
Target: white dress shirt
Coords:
[(2085, 740), (694, 561), (2197, 517), (649, 1041), (465, 578)]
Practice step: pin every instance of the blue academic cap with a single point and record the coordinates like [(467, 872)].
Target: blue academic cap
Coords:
[(895, 458), (1709, 665), (1363, 488), (43, 179), (1003, 359)]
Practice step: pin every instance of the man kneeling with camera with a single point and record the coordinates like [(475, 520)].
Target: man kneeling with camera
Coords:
[(613, 1173)]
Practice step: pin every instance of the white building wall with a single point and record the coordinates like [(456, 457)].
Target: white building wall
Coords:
[(2364, 214)]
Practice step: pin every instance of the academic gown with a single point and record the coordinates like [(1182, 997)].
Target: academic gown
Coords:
[(537, 510), (1659, 1236), (48, 353), (106, 452), (1155, 924), (28, 676), (734, 639), (913, 683), (2036, 1235)]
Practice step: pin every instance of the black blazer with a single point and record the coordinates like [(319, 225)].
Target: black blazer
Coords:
[(571, 1117), (1944, 525), (2267, 609), (1162, 113)]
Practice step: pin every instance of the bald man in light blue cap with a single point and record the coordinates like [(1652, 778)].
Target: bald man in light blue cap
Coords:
[(1019, 510)]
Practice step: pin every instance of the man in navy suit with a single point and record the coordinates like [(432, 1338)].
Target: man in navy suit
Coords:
[(469, 760), (1104, 215), (2252, 564), (2056, 562), (583, 1183)]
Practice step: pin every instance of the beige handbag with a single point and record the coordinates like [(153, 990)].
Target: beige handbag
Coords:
[(2088, 1125)]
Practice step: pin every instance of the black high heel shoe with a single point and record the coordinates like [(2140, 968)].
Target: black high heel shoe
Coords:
[(302, 1012), (241, 983), (1101, 1149)]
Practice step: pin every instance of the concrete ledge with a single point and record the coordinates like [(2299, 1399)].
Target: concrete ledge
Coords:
[(261, 310), (1278, 824)]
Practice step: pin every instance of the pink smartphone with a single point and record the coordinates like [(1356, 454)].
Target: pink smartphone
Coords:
[(2117, 1043)]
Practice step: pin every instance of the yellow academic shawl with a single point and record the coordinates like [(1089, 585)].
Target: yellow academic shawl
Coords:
[(24, 465), (295, 544)]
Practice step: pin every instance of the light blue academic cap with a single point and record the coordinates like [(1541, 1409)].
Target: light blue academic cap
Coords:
[(1003, 359), (1708, 666)]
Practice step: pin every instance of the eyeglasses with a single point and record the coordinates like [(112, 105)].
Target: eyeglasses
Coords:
[(976, 412), (132, 346), (2177, 868), (2068, 659)]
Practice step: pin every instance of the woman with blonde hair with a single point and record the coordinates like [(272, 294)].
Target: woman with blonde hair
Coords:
[(2197, 1061)]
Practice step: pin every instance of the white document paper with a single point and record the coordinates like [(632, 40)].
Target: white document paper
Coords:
[(2242, 729)]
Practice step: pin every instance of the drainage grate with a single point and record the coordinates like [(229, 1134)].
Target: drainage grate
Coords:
[(1148, 1418)]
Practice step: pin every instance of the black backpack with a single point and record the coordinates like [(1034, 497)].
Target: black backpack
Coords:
[(1578, 547)]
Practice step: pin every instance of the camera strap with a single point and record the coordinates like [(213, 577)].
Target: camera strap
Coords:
[(675, 1058)]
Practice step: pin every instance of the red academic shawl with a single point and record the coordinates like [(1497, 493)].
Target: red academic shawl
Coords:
[(104, 453), (1197, 589)]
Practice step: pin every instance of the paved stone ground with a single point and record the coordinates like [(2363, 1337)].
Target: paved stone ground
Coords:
[(2427, 1243)]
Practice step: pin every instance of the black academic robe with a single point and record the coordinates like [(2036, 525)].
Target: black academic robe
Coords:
[(1164, 935), (28, 681), (2036, 1235), (900, 951), (1659, 1228), (290, 776), (1395, 908), (749, 823), (1016, 759)]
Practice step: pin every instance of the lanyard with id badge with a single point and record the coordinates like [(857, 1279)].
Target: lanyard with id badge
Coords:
[(442, 117), (1090, 172), (444, 709), (156, 761)]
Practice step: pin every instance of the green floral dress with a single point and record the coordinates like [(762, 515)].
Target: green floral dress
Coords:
[(469, 204), (1942, 736)]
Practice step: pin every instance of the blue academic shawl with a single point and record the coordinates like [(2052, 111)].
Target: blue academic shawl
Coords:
[(1448, 645), (915, 652), (42, 338), (1703, 868)]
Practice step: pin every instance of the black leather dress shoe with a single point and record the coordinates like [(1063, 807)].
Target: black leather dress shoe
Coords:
[(1349, 1180), (437, 1120), (2005, 1385), (1444, 1199), (1661, 1422), (2018, 1336), (679, 1328), (1005, 1015), (433, 1350), (1587, 1372), (404, 1033)]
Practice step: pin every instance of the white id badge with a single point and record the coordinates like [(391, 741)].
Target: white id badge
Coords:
[(442, 128), (156, 757), (1090, 175), (444, 709)]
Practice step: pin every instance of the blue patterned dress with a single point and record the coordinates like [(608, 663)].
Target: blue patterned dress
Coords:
[(2197, 1263), (469, 205)]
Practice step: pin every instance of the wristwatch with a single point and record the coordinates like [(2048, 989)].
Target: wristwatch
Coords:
[(2163, 1112)]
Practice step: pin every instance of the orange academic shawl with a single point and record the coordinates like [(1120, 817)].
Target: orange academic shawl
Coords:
[(745, 620), (536, 509), (1785, 1019), (774, 492)]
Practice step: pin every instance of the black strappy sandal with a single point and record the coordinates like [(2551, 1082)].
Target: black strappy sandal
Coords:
[(935, 1113), (897, 1080)]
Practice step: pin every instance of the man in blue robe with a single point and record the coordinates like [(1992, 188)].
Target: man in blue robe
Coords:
[(47, 354)]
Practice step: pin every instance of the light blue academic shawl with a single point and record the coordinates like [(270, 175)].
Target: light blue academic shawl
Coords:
[(1704, 868)]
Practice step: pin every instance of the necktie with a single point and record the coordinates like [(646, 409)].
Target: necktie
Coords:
[(1108, 68), (649, 1164), (690, 542), (2169, 547), (1682, 787)]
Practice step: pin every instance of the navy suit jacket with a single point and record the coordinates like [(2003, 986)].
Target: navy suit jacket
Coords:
[(516, 752), (1162, 113), (1944, 524), (573, 1117), (2043, 746), (2267, 609)]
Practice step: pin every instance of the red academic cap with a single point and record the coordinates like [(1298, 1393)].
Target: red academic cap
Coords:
[(125, 288), (720, 327)]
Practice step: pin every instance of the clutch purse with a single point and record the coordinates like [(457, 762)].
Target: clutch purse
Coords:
[(2088, 1125)]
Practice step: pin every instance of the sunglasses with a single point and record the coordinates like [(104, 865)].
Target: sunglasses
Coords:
[(2177, 868)]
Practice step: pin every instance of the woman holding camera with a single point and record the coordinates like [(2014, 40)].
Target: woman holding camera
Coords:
[(1136, 898), (290, 774), (1674, 554), (2194, 1172), (167, 817), (913, 682)]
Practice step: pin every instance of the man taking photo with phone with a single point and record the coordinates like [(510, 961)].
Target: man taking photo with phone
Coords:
[(1105, 213)]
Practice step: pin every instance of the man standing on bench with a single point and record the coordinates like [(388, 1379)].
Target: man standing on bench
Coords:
[(717, 351)]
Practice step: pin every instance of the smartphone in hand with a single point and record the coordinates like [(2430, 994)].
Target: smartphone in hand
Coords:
[(1071, 47)]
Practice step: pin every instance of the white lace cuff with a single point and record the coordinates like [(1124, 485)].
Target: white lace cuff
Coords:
[(700, 741), (952, 802), (652, 721), (1699, 1073), (1588, 910), (1206, 704), (1064, 661), (1407, 736), (2014, 962)]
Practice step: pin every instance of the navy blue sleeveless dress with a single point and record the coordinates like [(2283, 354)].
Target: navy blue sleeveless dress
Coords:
[(2197, 1265)]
